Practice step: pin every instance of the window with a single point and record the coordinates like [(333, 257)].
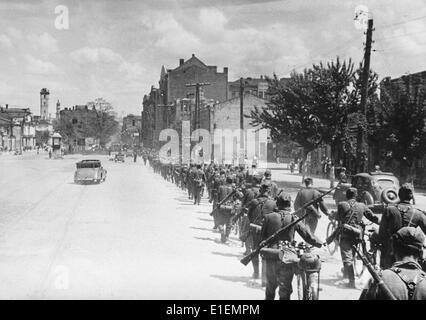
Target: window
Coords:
[(74, 121)]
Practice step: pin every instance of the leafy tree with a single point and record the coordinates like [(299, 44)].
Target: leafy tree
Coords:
[(67, 130), (101, 124), (402, 128), (42, 137)]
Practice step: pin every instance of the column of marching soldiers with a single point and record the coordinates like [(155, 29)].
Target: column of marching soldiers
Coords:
[(246, 201)]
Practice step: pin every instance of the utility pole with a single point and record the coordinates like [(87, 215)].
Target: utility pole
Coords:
[(242, 121), (362, 147), (197, 86)]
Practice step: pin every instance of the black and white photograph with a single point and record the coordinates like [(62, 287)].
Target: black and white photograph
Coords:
[(231, 150)]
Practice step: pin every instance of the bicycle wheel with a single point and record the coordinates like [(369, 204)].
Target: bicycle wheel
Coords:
[(333, 246), (359, 266)]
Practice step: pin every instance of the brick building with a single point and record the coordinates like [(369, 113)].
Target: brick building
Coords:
[(163, 107), (226, 115), (173, 81)]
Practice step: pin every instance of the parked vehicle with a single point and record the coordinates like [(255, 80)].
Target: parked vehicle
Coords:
[(89, 171), (129, 153), (376, 187), (119, 157)]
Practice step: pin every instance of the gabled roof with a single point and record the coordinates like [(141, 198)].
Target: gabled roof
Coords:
[(193, 61)]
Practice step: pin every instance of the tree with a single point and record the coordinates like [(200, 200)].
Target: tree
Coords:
[(101, 122), (333, 97), (290, 112), (42, 137), (402, 129), (67, 130)]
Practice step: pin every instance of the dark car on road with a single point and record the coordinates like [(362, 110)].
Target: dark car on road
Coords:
[(376, 187), (89, 171), (119, 157)]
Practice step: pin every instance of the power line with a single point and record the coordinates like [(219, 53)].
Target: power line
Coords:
[(403, 22), (401, 35)]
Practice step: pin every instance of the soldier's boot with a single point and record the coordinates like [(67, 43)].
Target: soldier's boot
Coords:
[(351, 275), (255, 263), (263, 273)]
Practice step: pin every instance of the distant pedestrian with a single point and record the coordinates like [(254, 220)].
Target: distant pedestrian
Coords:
[(135, 156), (50, 154)]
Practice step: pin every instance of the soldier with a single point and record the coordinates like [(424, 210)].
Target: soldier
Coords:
[(405, 278), (267, 179), (249, 194), (225, 210), (394, 218), (351, 213), (189, 180), (198, 180), (304, 196), (217, 182), (257, 209), (279, 274)]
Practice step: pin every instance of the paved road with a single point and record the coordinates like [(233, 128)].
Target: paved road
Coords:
[(133, 237)]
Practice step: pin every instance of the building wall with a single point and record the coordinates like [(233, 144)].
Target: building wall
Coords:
[(193, 71), (227, 113)]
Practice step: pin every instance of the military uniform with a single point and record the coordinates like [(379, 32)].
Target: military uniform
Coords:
[(257, 209), (394, 218), (304, 196), (279, 274), (351, 212), (198, 180), (405, 279), (224, 212)]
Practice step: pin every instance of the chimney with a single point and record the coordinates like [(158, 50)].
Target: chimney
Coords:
[(7, 106), (225, 70), (181, 61), (193, 55), (261, 77)]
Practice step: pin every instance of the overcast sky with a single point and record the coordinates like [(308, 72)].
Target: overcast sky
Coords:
[(115, 49)]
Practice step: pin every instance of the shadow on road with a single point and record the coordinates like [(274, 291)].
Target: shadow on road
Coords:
[(242, 279), (204, 219), (208, 239), (203, 229), (231, 255)]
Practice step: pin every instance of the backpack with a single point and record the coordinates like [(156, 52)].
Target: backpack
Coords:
[(410, 284)]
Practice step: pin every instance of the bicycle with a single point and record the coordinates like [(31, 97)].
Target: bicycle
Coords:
[(307, 266), (369, 247)]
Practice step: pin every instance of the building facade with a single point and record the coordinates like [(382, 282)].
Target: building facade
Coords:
[(17, 129), (174, 83), (131, 130)]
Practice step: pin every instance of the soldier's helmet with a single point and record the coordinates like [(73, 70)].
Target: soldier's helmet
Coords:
[(256, 179), (351, 193), (284, 199), (267, 173), (409, 238), (265, 187), (405, 192)]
